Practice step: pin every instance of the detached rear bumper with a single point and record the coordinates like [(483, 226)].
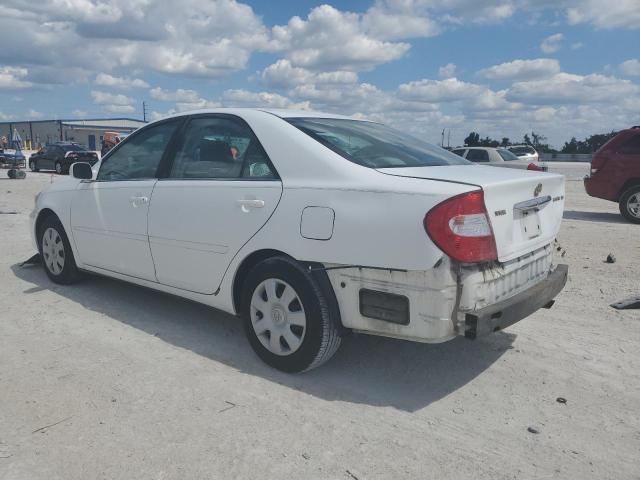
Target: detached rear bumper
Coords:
[(503, 314)]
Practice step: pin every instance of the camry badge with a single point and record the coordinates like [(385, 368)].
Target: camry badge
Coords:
[(537, 190)]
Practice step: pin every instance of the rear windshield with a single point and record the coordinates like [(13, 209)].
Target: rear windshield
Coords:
[(507, 155), (521, 150), (374, 145)]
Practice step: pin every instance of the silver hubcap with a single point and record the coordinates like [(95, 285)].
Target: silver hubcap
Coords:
[(633, 205), (278, 317), (58, 168), (53, 251)]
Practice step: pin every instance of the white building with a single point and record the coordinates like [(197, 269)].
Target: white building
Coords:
[(87, 132)]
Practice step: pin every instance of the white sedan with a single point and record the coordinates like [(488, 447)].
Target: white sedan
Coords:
[(309, 226), (499, 157)]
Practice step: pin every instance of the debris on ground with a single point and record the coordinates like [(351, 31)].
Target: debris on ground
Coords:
[(611, 258), (561, 400), (627, 304), (533, 430)]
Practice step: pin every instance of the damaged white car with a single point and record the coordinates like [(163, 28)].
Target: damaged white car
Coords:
[(309, 226)]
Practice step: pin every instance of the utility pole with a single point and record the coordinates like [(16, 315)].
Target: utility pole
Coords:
[(144, 111), (442, 139), (449, 139)]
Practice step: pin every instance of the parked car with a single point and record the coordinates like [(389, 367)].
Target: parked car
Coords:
[(60, 156), (316, 226), (497, 157), (525, 152), (13, 159), (615, 173)]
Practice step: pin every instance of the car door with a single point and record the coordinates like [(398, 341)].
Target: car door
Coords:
[(109, 215), (44, 160), (219, 190)]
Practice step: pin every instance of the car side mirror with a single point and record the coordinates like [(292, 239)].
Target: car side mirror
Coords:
[(82, 171)]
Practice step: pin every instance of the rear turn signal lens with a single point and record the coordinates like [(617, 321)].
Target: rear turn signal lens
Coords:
[(534, 167), (460, 227)]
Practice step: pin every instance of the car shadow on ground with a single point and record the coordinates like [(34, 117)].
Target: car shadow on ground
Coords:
[(369, 370), (606, 217)]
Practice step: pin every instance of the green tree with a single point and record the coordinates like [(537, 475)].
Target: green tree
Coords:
[(505, 142), (473, 140)]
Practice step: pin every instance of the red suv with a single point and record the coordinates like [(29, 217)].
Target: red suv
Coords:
[(615, 173)]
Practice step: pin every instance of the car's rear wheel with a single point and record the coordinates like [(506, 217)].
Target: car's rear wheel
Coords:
[(630, 204), (33, 166), (57, 256), (287, 316), (59, 169)]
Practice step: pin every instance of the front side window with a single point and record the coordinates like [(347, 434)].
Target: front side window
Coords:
[(374, 145), (459, 152), (138, 157), (506, 155), (477, 155), (220, 147)]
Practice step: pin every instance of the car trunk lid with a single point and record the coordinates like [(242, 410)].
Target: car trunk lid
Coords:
[(525, 207)]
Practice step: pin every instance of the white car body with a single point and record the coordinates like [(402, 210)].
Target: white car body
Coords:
[(192, 238), (525, 152), (498, 157)]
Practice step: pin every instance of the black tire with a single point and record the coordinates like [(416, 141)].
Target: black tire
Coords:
[(629, 197), (321, 337), (59, 168), (33, 165), (11, 173), (69, 272)]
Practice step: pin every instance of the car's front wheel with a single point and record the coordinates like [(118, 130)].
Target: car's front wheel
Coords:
[(630, 204), (57, 256), (288, 317), (33, 166)]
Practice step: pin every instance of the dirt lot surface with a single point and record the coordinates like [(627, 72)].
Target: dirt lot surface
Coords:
[(106, 380)]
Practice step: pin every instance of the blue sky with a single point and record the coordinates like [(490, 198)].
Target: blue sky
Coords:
[(499, 67)]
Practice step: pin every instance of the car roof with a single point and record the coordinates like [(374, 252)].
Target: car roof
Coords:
[(278, 112), (520, 145)]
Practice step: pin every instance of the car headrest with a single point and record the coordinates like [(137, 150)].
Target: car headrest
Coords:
[(215, 151)]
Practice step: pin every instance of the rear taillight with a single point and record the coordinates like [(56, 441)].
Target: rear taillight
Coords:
[(534, 167), (460, 227)]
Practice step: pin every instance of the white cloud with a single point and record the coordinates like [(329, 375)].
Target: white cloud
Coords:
[(179, 95), (283, 74), (119, 108), (34, 114), (564, 88), (107, 80), (447, 71), (436, 91), (552, 43), (631, 67), (13, 78), (606, 14), (245, 98), (577, 45), (522, 69), (334, 40), (104, 98)]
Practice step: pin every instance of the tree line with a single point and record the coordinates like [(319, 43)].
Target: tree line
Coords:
[(539, 142)]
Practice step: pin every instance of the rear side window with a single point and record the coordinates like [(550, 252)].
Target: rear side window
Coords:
[(140, 155), (477, 155), (220, 147), (631, 146), (506, 155), (459, 152), (374, 145)]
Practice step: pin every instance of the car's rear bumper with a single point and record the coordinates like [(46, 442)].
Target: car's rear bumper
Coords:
[(507, 312), (599, 189)]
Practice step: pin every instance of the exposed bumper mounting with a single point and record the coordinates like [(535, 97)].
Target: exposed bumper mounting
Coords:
[(503, 314)]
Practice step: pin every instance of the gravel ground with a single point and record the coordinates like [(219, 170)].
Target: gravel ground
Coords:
[(106, 380)]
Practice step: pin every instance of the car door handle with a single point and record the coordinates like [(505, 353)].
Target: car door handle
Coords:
[(138, 201), (246, 204)]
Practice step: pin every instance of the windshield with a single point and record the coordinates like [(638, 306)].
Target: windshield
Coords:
[(507, 155), (73, 148), (522, 150), (374, 145)]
